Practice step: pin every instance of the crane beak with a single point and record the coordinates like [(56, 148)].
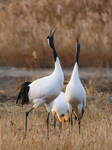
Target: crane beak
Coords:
[(77, 40), (52, 33), (77, 44)]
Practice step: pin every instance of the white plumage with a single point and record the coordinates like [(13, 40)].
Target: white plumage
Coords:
[(75, 93), (60, 108), (46, 89)]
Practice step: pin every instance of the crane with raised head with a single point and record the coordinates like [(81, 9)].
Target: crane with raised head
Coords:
[(43, 90), (75, 93)]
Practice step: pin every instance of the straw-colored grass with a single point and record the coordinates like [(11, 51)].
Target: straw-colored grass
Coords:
[(25, 24), (95, 134)]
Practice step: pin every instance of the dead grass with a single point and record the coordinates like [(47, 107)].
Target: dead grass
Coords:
[(25, 25), (95, 134)]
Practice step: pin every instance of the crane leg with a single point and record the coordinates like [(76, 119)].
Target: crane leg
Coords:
[(48, 123), (54, 121), (79, 125), (27, 113), (71, 118), (60, 126)]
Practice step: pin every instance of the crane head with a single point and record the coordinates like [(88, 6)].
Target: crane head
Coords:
[(50, 38)]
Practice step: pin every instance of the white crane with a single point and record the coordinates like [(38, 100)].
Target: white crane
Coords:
[(43, 90), (75, 92), (60, 108)]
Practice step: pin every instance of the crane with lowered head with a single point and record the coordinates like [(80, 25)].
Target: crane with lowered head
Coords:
[(60, 108)]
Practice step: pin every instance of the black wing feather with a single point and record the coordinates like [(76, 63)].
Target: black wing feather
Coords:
[(22, 97)]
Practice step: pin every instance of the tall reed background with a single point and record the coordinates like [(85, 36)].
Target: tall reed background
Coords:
[(25, 24)]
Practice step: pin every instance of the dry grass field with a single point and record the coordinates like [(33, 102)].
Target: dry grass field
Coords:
[(96, 126), (25, 24)]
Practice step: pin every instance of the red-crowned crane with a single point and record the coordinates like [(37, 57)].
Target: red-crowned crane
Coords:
[(43, 90), (75, 92), (60, 108)]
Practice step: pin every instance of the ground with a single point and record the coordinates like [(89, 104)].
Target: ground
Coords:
[(96, 124)]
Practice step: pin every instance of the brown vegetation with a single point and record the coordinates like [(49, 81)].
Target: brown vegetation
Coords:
[(24, 26), (96, 124), (95, 134)]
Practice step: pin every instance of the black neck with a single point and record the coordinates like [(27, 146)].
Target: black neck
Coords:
[(78, 51), (55, 53)]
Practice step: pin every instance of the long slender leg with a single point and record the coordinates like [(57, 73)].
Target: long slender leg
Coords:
[(54, 121), (60, 126), (79, 125), (71, 118), (27, 113), (48, 123)]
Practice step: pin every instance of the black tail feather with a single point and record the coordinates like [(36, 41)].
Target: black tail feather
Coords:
[(23, 94)]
